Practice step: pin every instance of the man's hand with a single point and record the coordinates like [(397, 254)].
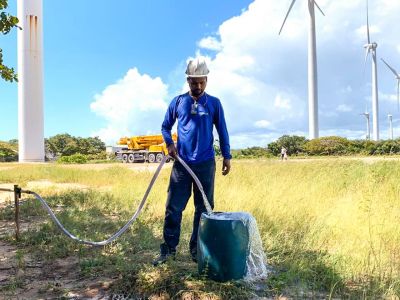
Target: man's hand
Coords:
[(226, 166), (172, 150)]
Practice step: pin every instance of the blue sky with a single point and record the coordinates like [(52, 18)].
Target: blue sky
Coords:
[(111, 70)]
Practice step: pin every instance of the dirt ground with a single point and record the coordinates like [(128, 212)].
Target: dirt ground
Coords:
[(22, 276), (28, 278)]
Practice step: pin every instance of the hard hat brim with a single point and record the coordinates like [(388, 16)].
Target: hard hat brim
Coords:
[(196, 76)]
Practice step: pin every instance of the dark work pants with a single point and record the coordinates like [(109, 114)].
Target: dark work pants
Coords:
[(179, 192)]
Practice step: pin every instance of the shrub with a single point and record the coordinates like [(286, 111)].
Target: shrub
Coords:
[(73, 159), (253, 152), (98, 156), (388, 147), (330, 145), (8, 152)]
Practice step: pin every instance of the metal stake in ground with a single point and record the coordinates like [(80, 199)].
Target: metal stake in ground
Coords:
[(17, 196)]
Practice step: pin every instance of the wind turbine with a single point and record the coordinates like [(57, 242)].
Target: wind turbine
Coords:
[(313, 130), (390, 127), (370, 47), (366, 115), (397, 76)]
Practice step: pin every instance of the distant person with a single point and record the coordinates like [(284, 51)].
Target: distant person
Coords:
[(283, 153), (196, 112)]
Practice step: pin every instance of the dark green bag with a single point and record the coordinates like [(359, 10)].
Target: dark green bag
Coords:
[(222, 248)]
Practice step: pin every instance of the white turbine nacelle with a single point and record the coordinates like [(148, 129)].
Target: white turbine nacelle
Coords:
[(371, 46)]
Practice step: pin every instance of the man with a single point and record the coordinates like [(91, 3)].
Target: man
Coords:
[(196, 113), (283, 153)]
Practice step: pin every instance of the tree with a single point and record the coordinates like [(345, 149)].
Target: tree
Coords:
[(62, 144), (65, 145), (294, 144), (7, 22)]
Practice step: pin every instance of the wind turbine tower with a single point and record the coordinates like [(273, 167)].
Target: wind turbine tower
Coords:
[(30, 81), (370, 47), (390, 127), (366, 115), (313, 130)]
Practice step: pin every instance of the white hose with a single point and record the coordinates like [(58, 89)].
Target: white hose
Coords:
[(135, 215), (205, 200)]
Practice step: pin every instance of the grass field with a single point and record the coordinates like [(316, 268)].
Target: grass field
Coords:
[(330, 228)]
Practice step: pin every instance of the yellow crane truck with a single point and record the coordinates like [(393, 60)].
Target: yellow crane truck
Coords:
[(143, 148)]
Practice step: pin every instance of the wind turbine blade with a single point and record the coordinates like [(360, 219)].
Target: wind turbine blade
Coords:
[(316, 4), (398, 94), (287, 14), (391, 69), (366, 57), (369, 40)]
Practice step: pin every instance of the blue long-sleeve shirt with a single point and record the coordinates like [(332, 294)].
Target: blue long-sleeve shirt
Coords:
[(195, 131)]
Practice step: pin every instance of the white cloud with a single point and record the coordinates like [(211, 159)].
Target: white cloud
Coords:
[(351, 134), (262, 124), (362, 32), (387, 97), (210, 43), (260, 75), (130, 106), (344, 108), (347, 89), (248, 139), (281, 102)]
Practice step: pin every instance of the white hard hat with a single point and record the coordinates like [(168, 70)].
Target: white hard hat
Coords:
[(197, 68)]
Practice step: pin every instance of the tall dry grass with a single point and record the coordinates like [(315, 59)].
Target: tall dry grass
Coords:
[(329, 224)]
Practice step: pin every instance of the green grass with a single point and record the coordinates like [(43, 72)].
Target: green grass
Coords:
[(328, 226)]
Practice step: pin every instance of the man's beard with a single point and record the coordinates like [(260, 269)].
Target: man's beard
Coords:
[(197, 92)]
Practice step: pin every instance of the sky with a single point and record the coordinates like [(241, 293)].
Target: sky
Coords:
[(112, 70)]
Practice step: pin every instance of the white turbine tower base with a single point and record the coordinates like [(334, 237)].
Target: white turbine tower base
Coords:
[(30, 81)]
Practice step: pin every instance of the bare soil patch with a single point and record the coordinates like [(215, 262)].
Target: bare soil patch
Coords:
[(25, 277)]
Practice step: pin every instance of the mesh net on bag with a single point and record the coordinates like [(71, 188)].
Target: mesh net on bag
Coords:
[(256, 261)]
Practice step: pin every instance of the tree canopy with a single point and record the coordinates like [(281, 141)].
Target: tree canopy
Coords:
[(7, 22), (65, 145)]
